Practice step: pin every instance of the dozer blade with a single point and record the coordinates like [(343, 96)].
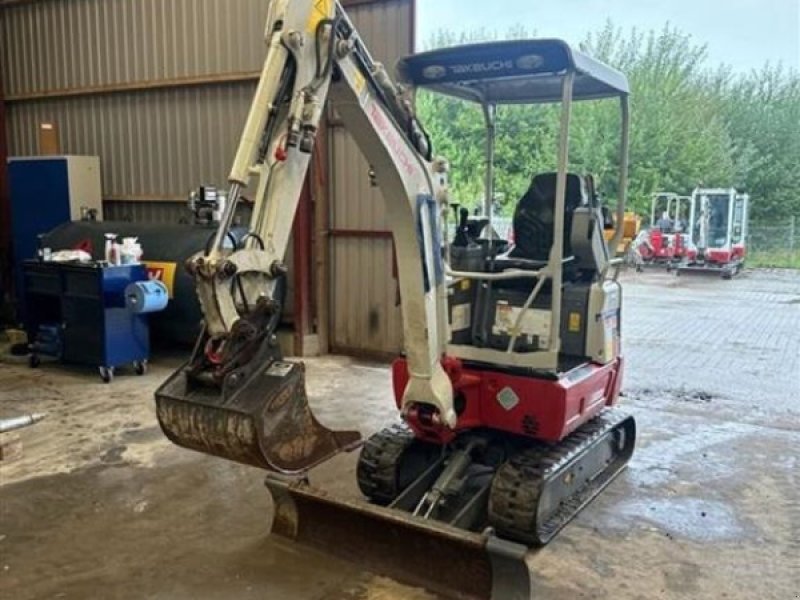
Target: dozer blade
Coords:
[(265, 421), (451, 562)]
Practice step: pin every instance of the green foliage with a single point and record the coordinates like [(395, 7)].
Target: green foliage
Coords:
[(690, 125), (762, 111), (785, 259)]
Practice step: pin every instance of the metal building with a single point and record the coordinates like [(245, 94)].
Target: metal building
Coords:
[(159, 90)]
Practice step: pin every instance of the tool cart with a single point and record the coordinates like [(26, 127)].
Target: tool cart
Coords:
[(77, 313)]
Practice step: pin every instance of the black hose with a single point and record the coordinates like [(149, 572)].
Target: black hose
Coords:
[(237, 280), (210, 241), (287, 79), (253, 235), (320, 72)]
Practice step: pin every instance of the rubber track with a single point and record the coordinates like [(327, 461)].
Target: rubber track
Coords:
[(377, 464), (519, 483)]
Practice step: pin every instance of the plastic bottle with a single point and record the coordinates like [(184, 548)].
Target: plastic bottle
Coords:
[(111, 249), (130, 251)]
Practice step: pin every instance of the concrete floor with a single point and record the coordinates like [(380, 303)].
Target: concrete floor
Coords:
[(102, 506)]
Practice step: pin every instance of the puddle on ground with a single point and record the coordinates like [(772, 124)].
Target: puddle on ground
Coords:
[(704, 447)]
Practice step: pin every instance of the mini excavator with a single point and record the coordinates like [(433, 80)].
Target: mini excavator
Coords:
[(665, 242), (511, 365), (718, 232)]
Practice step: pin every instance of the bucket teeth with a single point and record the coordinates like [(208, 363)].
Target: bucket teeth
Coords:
[(264, 422)]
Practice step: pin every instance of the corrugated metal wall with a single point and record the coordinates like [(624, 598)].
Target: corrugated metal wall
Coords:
[(84, 43), (363, 291), (153, 143), (159, 90)]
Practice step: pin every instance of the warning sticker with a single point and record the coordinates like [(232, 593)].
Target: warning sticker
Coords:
[(574, 322), (507, 398), (323, 9), (461, 317), (534, 322), (279, 369), (163, 272)]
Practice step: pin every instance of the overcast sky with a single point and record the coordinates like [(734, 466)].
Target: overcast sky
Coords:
[(742, 33)]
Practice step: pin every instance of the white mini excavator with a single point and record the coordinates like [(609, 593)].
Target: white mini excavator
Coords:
[(512, 362)]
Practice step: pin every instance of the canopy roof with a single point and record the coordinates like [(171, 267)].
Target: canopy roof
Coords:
[(512, 72)]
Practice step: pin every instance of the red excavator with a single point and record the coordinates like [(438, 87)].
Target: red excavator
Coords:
[(512, 353), (665, 242)]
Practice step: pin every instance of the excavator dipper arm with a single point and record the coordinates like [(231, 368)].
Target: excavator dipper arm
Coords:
[(236, 398)]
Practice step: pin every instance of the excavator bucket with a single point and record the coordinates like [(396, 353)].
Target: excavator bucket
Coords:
[(264, 421), (451, 562)]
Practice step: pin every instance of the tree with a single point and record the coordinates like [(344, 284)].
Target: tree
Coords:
[(690, 126)]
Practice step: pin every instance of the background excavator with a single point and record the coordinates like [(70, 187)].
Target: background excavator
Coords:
[(511, 357), (666, 240), (718, 231)]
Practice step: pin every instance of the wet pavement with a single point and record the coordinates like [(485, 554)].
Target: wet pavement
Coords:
[(101, 506)]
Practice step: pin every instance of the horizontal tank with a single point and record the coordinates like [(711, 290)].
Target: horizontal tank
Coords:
[(165, 250)]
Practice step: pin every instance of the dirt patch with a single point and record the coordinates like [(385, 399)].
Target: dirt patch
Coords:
[(142, 436), (379, 588), (678, 394), (113, 455)]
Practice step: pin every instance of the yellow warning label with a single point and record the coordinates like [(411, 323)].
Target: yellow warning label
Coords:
[(359, 82), (609, 348), (465, 284), (163, 272), (574, 322), (323, 9)]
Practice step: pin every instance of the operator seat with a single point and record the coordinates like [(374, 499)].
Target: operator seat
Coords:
[(584, 246), (533, 231), (535, 215), (534, 218)]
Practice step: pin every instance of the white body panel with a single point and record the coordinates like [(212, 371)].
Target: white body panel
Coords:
[(85, 190)]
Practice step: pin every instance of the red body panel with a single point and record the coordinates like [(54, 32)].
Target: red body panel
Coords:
[(680, 247), (721, 257), (543, 409), (663, 246)]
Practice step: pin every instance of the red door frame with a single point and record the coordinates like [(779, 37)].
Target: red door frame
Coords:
[(5, 205)]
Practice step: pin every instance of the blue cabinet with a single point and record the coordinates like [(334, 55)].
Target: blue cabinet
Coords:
[(46, 191), (77, 313)]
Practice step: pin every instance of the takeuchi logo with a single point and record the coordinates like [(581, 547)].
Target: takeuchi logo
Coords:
[(482, 67), (528, 62)]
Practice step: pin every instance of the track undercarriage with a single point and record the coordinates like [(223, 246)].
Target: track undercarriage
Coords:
[(526, 491), (458, 519)]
